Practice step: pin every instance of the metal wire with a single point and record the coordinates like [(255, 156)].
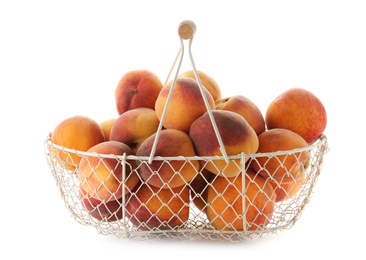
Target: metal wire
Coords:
[(181, 53), (197, 225), (120, 215)]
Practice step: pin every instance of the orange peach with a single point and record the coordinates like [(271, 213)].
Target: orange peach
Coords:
[(137, 88), (236, 134), (282, 167), (102, 178), (185, 106), (106, 126), (226, 199), (244, 107), (206, 80), (158, 173), (134, 126), (285, 191), (149, 207), (106, 211), (300, 111), (79, 133)]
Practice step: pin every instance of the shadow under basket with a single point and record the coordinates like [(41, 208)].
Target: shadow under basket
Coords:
[(239, 208)]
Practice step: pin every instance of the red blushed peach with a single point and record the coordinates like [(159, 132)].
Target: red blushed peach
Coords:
[(185, 106), (134, 126), (244, 107), (79, 133), (283, 167), (149, 207), (102, 178), (171, 174), (237, 137), (137, 88), (300, 111), (206, 80), (226, 197), (106, 211)]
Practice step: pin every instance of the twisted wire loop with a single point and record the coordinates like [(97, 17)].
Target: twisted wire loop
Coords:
[(183, 212)]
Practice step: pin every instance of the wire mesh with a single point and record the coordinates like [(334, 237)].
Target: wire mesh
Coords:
[(209, 206), (187, 197)]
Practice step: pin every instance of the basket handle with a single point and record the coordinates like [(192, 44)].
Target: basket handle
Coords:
[(186, 31)]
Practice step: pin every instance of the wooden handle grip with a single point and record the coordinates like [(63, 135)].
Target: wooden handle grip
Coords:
[(187, 29)]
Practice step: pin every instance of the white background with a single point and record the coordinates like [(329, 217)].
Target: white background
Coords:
[(62, 58)]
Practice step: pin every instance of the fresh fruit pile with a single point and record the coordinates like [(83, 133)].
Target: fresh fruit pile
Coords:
[(160, 194)]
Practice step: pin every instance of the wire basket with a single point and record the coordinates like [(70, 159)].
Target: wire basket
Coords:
[(210, 206)]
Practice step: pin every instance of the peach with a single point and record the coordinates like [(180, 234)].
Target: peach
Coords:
[(244, 107), (236, 134), (137, 88), (285, 191), (226, 198), (300, 111), (185, 106), (201, 179), (106, 126), (106, 211), (198, 187), (79, 133), (282, 167), (199, 198), (206, 80), (172, 173), (102, 178), (134, 126), (149, 207)]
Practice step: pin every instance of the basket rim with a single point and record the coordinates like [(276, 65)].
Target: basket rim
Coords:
[(321, 141)]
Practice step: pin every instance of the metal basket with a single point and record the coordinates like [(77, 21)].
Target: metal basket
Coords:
[(183, 213)]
